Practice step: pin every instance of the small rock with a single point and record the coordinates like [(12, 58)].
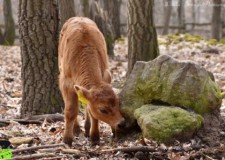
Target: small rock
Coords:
[(21, 140), (162, 147), (141, 155)]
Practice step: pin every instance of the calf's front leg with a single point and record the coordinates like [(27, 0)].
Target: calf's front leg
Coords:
[(87, 124), (70, 113), (94, 131)]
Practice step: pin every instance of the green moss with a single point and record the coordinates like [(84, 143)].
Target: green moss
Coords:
[(222, 41), (222, 95), (212, 42), (192, 38), (121, 39), (162, 42), (176, 38), (164, 123)]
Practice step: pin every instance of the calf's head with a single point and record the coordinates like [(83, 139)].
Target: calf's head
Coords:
[(103, 104)]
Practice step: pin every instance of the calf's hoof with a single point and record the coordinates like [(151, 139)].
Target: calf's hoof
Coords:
[(68, 141), (86, 133), (76, 131), (95, 140)]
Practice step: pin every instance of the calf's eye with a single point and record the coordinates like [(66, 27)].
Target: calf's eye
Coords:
[(104, 111)]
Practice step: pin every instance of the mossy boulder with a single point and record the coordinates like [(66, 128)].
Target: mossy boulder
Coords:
[(177, 83), (164, 124)]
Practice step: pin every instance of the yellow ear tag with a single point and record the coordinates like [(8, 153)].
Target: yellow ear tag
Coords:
[(81, 98)]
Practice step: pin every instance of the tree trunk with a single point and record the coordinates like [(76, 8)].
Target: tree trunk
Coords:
[(216, 19), (86, 10), (101, 19), (9, 35), (113, 9), (181, 16), (193, 15), (66, 10), (38, 26), (167, 15), (142, 37), (1, 37)]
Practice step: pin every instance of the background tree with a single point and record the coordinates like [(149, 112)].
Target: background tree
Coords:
[(193, 15), (113, 9), (38, 26), (66, 10), (101, 18), (181, 16), (8, 37), (216, 19), (142, 37), (167, 15), (86, 10)]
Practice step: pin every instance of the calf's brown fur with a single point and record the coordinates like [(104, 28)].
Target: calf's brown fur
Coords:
[(83, 65)]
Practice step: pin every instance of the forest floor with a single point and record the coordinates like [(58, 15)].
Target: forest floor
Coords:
[(207, 53)]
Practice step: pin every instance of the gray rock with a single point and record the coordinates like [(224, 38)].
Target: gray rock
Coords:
[(164, 124), (178, 83)]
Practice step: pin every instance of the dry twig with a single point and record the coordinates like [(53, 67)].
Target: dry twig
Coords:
[(33, 156), (131, 149), (37, 147)]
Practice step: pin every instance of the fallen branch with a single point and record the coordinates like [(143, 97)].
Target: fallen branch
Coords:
[(49, 150), (62, 150), (208, 151), (33, 156), (37, 119), (131, 149), (5, 122), (37, 147), (72, 151), (55, 158), (48, 117)]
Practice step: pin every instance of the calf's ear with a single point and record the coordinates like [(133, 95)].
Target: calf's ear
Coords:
[(84, 95)]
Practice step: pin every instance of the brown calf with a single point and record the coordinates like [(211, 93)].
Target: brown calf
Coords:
[(83, 65)]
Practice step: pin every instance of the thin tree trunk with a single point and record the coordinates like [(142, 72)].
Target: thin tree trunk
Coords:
[(66, 10), (181, 16), (101, 19), (38, 26), (9, 35), (1, 37), (142, 37), (193, 15), (113, 9), (216, 19), (86, 10), (167, 15)]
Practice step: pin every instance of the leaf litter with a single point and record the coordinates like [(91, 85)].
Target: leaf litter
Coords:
[(209, 56)]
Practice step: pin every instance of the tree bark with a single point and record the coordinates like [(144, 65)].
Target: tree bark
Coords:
[(216, 19), (38, 26), (66, 10), (9, 35), (142, 37), (86, 10), (101, 19), (112, 7), (167, 15)]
